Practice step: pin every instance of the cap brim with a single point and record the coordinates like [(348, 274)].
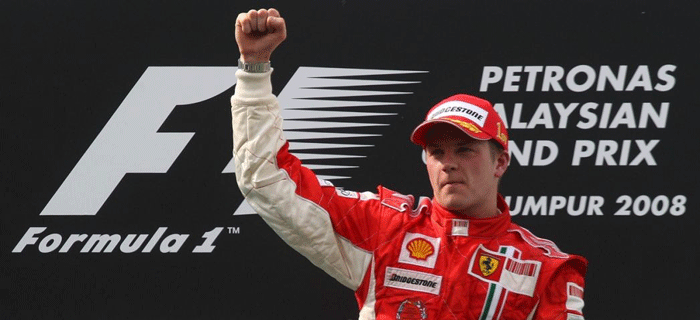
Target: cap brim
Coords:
[(418, 135)]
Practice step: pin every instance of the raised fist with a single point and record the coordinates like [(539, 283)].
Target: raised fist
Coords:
[(258, 33)]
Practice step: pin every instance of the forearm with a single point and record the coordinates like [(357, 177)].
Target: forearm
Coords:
[(257, 130), (271, 187)]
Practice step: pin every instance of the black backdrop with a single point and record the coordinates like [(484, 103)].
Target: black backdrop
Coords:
[(68, 66)]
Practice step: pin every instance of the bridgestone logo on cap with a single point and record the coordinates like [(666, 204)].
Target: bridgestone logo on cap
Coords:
[(460, 109)]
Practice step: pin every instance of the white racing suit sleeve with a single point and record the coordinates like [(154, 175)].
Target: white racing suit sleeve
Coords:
[(279, 198)]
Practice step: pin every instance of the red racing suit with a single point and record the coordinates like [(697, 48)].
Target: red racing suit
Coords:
[(404, 259)]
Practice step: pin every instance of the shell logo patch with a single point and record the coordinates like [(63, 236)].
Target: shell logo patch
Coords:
[(420, 249), (488, 265)]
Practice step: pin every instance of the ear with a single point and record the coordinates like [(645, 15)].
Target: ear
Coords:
[(502, 161)]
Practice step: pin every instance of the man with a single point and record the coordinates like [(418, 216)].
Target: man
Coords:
[(457, 256)]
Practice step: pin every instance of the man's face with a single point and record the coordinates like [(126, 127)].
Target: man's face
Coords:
[(463, 171)]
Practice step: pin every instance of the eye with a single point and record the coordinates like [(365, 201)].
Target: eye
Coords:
[(464, 149), (435, 152)]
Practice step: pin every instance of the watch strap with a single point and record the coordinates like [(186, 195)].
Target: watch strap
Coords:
[(256, 67)]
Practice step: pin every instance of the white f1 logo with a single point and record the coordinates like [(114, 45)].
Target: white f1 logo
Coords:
[(130, 143)]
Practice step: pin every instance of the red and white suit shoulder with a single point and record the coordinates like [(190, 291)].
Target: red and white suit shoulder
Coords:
[(561, 283)]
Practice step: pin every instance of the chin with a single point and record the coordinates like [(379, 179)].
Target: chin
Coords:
[(453, 205)]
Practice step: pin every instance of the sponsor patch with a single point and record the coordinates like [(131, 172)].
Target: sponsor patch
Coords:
[(460, 109), (460, 227), (521, 268), (488, 265), (419, 250), (574, 297), (516, 275), (412, 280), (346, 193), (411, 309), (496, 296)]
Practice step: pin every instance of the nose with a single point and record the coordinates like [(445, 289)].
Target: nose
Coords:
[(449, 162)]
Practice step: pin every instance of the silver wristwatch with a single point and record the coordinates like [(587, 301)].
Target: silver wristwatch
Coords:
[(257, 67)]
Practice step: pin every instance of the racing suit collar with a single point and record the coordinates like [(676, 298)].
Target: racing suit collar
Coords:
[(459, 225)]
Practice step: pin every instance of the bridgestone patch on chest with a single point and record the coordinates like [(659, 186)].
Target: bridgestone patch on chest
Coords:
[(412, 280)]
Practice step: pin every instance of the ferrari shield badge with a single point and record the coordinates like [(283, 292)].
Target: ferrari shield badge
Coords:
[(487, 265)]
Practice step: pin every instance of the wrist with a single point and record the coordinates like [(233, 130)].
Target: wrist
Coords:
[(254, 58)]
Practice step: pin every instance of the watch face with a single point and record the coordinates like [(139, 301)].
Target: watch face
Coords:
[(411, 309)]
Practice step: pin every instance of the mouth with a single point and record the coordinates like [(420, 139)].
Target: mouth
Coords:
[(452, 183)]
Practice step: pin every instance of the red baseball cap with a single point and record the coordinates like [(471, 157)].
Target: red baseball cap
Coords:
[(474, 116)]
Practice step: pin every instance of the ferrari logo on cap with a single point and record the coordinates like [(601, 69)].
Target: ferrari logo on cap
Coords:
[(487, 265)]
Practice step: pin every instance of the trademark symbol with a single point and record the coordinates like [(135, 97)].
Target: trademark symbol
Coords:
[(234, 230)]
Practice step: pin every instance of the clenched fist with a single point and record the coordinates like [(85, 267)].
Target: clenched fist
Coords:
[(258, 33)]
